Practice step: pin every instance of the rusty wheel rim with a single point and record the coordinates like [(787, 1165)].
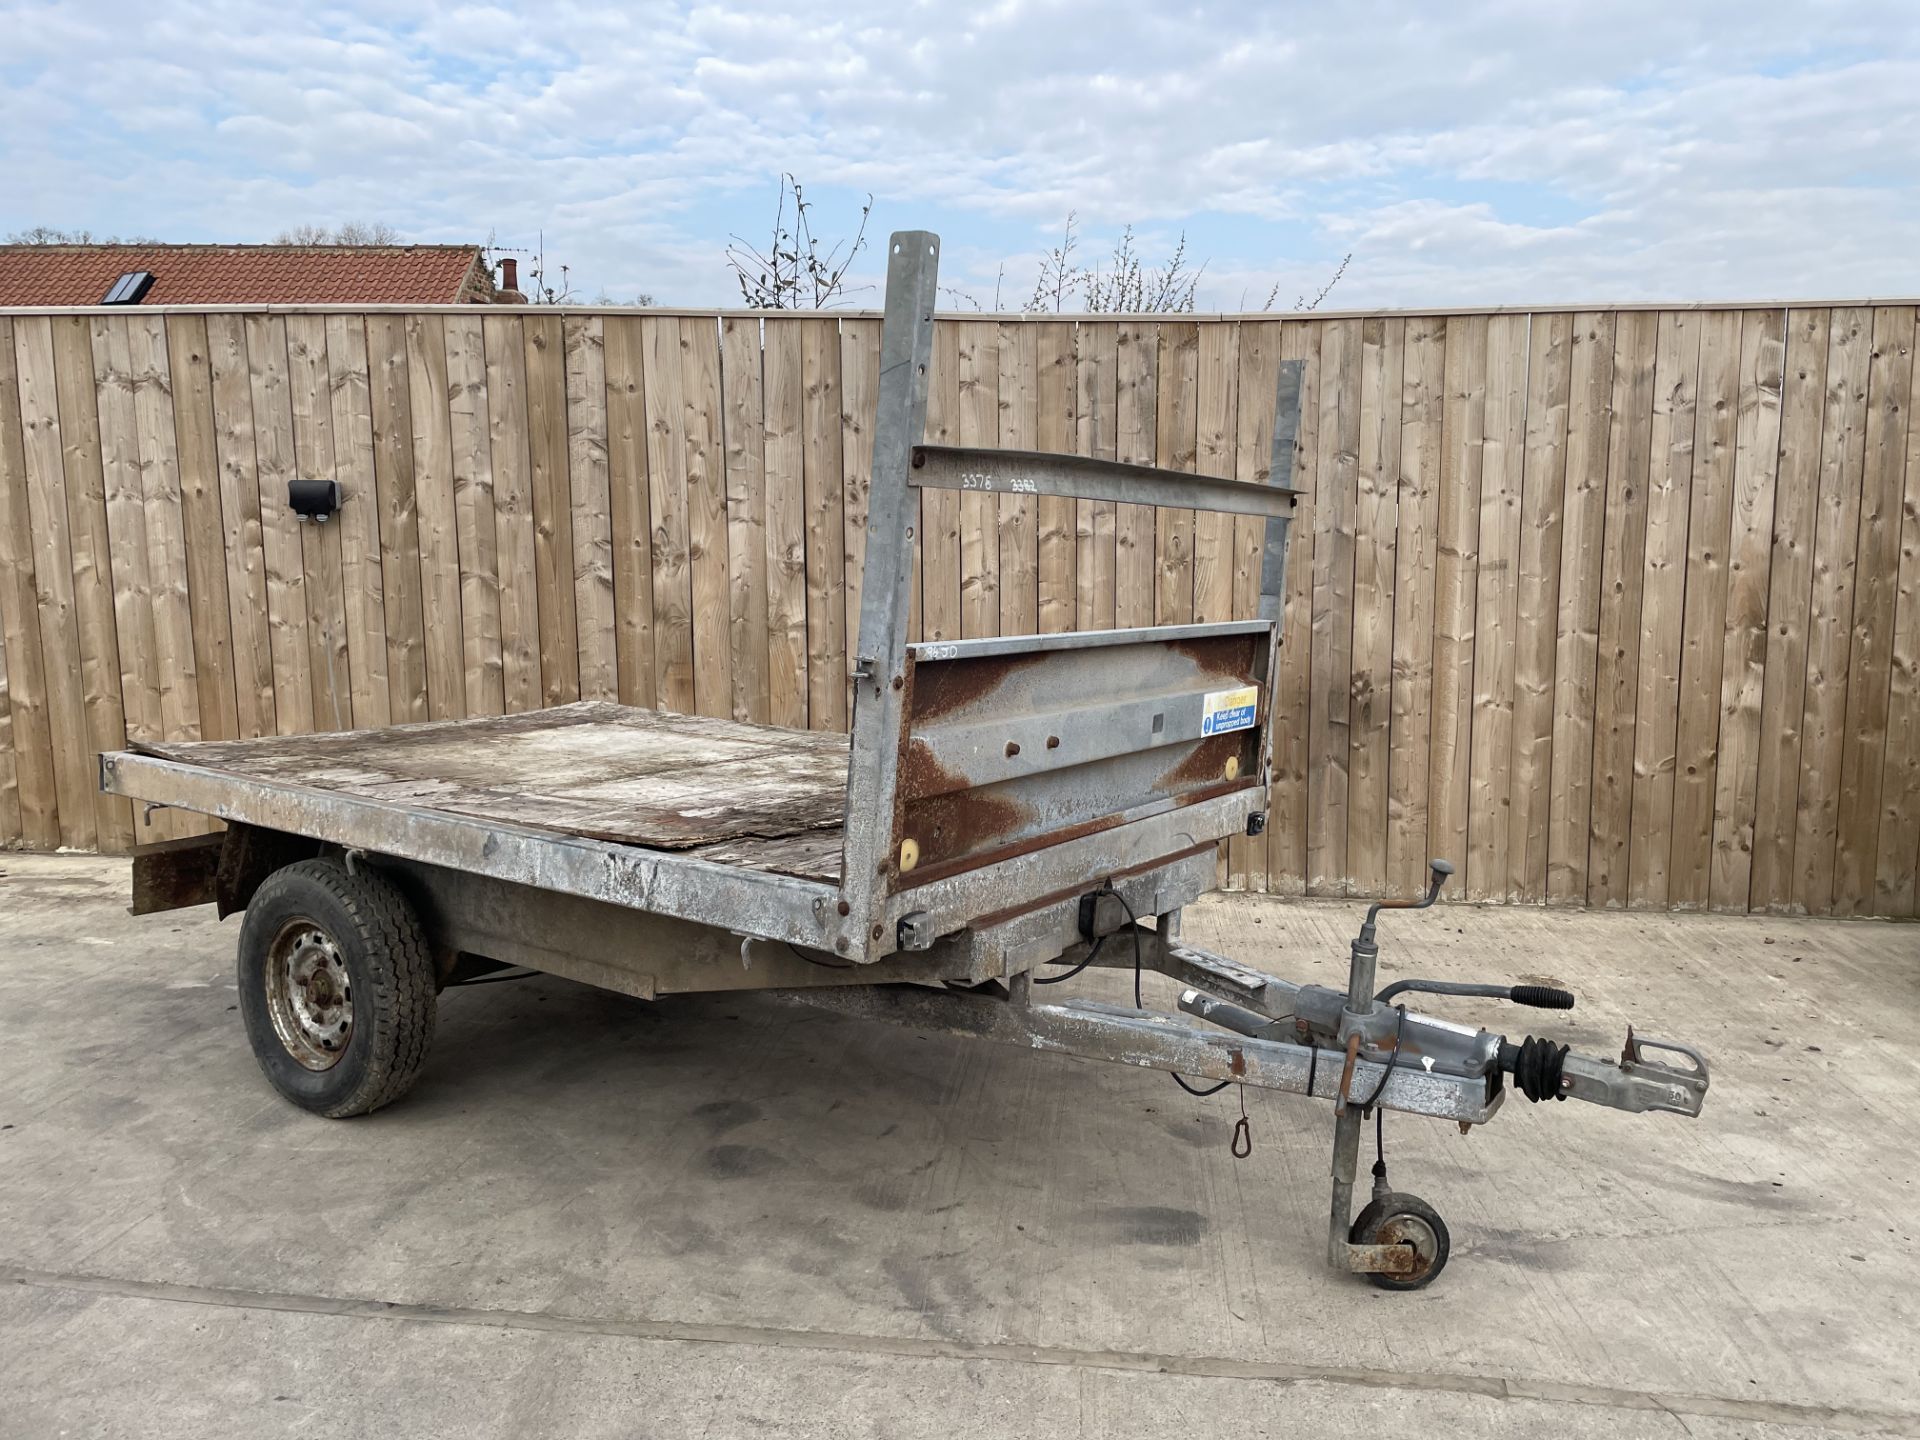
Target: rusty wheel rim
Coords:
[(1416, 1235), (309, 995)]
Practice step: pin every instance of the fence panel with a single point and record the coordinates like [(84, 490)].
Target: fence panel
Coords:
[(1618, 607)]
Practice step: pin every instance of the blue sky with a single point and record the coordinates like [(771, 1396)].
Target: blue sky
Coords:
[(1464, 153)]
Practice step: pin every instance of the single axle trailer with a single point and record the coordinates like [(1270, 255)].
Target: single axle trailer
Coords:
[(1005, 813)]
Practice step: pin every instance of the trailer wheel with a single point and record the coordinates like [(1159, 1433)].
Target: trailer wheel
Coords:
[(1396, 1219), (336, 987)]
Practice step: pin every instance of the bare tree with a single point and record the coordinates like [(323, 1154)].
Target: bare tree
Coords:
[(797, 271), (1302, 304), (1129, 286), (353, 232), (1060, 275), (53, 235)]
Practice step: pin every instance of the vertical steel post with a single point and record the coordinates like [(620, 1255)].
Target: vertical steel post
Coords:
[(906, 350), (1361, 974), (1273, 558)]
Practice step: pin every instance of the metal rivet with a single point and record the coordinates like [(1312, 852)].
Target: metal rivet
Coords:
[(841, 945), (1013, 748), (878, 931), (843, 907), (898, 681)]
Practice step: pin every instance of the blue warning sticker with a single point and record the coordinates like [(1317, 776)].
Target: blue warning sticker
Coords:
[(1225, 710)]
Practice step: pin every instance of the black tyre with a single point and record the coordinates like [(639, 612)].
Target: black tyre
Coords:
[(1396, 1219), (336, 987)]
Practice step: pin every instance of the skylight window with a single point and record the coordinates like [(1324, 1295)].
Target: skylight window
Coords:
[(130, 288)]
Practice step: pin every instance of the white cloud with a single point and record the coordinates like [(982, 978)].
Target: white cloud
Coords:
[(1492, 151)]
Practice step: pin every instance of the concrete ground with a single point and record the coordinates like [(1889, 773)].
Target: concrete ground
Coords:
[(598, 1217)]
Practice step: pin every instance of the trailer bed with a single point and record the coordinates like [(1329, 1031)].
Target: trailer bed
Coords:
[(759, 797)]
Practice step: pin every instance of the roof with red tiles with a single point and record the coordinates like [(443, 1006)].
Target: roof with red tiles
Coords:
[(247, 274)]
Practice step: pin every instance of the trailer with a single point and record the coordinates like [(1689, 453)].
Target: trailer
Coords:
[(1005, 813)]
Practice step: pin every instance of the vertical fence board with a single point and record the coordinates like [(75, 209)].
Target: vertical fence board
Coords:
[(167, 554), (664, 517), (1688, 823), (940, 509), (1869, 653), (91, 550), (1019, 421), (190, 384), (10, 826), (706, 515), (1456, 533), (1899, 846), (1137, 442), (1288, 806), (1215, 447), (552, 499), (979, 426), (826, 527), (29, 710), (1683, 401), (589, 486), (1629, 463), (1257, 366), (274, 468), (1496, 607), (1422, 434), (232, 395), (786, 524), (53, 568), (636, 599), (1330, 671), (1376, 518), (1743, 668), (350, 396), (476, 515), (434, 498), (1542, 511), (510, 445), (859, 405), (1176, 445), (390, 382), (1843, 449), (1796, 512), (131, 577), (320, 545), (1097, 436), (746, 517), (1576, 650), (1056, 431)]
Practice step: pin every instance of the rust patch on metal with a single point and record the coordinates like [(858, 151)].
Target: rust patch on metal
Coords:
[(942, 686), (962, 822), (974, 860), (1206, 762), (1221, 657), (921, 775), (1236, 1062)]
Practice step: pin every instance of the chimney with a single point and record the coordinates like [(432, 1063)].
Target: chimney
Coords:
[(509, 291)]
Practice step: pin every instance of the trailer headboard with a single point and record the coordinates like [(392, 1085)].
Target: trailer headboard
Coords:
[(1011, 745), (975, 755)]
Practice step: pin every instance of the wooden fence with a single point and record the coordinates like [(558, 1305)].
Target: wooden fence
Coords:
[(1616, 607)]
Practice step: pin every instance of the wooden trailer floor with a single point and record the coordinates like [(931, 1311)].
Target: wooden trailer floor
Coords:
[(751, 795)]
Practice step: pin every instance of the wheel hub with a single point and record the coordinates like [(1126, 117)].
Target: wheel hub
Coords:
[(1414, 1233), (309, 995)]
